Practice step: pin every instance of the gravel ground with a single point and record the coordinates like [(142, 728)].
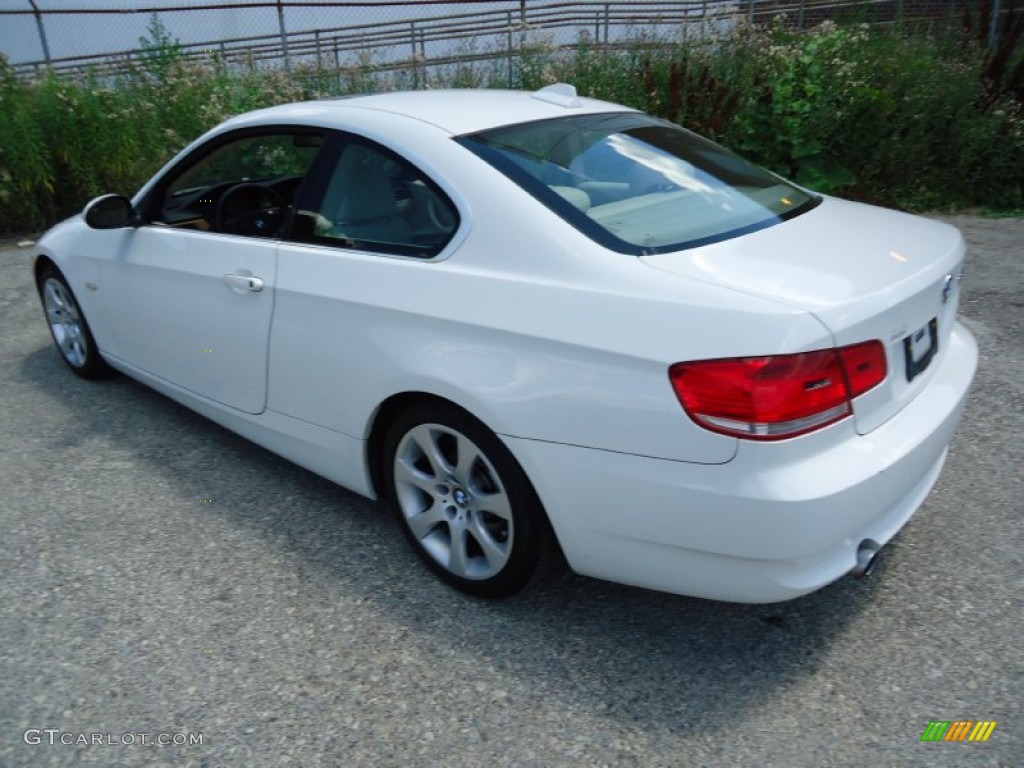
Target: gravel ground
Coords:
[(160, 575)]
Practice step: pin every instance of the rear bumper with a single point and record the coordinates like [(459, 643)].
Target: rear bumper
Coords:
[(778, 521)]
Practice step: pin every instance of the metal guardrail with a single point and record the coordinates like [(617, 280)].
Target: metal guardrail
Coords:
[(404, 40), (432, 41)]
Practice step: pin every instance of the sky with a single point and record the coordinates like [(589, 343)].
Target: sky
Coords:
[(80, 34)]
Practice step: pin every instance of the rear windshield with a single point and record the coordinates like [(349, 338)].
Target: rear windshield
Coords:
[(637, 184)]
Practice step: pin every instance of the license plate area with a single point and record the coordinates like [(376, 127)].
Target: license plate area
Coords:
[(920, 347)]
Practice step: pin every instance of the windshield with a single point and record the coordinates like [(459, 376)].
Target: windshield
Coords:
[(637, 184)]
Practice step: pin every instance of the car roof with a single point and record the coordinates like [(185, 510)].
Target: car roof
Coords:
[(455, 111)]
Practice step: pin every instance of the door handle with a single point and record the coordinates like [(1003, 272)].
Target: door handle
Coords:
[(243, 283)]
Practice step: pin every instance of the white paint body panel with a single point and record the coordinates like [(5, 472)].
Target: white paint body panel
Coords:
[(171, 314), (865, 272), (562, 348), (780, 520)]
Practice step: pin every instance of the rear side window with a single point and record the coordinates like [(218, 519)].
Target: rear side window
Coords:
[(368, 198), (637, 184)]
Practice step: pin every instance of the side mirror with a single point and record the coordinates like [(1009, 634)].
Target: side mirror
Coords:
[(110, 212)]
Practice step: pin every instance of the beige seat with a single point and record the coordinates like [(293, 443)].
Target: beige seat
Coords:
[(360, 200), (577, 197)]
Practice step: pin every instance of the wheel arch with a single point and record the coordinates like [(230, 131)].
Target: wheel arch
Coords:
[(381, 422), (384, 417), (43, 261), (91, 365)]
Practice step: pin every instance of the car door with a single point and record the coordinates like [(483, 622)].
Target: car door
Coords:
[(191, 294)]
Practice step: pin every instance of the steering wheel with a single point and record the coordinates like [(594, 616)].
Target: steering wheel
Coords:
[(250, 209)]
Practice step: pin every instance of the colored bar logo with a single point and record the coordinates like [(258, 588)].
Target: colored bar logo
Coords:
[(958, 730)]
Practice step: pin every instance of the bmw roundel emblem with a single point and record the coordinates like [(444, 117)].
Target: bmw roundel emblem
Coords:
[(947, 288)]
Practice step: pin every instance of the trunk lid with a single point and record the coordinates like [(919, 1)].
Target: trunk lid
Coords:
[(864, 272)]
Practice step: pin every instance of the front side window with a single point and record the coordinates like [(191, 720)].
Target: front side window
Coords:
[(242, 186), (637, 184), (367, 198)]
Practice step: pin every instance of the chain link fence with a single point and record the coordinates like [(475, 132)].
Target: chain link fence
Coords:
[(108, 37)]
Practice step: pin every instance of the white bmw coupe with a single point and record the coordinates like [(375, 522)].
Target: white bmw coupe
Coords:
[(538, 325)]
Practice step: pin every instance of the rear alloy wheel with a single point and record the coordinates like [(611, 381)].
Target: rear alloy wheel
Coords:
[(464, 502), (68, 327)]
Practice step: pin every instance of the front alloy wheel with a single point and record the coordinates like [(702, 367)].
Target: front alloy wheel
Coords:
[(464, 502), (68, 327)]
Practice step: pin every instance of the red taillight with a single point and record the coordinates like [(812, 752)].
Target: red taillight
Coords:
[(864, 365), (770, 398)]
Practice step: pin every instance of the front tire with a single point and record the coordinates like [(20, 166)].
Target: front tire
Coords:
[(70, 331), (464, 502)]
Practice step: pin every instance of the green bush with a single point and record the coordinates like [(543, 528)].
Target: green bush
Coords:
[(883, 116), (918, 119)]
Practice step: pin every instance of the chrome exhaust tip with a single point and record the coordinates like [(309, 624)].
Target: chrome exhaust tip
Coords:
[(867, 551)]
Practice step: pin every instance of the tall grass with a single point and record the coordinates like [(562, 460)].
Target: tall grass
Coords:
[(919, 119)]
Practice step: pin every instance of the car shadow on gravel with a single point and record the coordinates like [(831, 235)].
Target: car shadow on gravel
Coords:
[(636, 656)]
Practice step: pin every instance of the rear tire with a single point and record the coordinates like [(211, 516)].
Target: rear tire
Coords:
[(464, 502), (68, 327)]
